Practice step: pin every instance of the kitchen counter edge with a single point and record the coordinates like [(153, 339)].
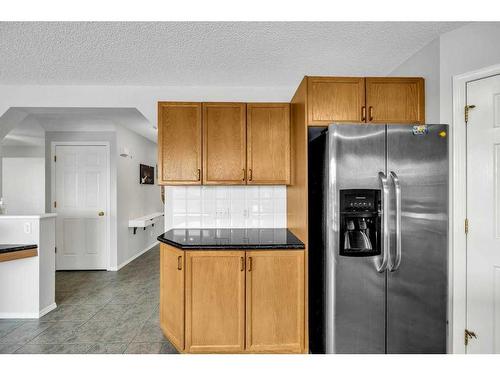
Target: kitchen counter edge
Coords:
[(250, 246)]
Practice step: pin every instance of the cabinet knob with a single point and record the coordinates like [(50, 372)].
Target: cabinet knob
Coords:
[(250, 175), (179, 262), (370, 113), (101, 213), (363, 113), (242, 263), (249, 264), (244, 174), (199, 174)]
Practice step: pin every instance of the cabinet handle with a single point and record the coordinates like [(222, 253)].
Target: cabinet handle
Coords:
[(363, 113), (242, 260), (244, 174), (179, 262), (199, 174), (370, 113), (249, 264), (250, 175)]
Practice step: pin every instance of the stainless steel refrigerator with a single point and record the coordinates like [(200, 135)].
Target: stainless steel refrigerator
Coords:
[(378, 243)]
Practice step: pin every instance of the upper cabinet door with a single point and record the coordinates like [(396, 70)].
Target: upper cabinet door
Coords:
[(335, 99), (179, 143), (395, 100), (268, 143), (224, 143)]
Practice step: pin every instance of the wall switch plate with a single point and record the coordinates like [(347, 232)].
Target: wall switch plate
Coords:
[(27, 228)]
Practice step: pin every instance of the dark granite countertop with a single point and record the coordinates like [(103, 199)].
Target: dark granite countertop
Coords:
[(231, 238), (11, 248)]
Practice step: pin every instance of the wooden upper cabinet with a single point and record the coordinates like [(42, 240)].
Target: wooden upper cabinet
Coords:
[(172, 294), (215, 301), (335, 99), (395, 100), (268, 143), (179, 143), (224, 143), (275, 301)]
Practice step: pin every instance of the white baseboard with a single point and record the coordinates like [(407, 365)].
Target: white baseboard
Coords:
[(28, 315), (123, 264), (46, 310), (19, 315), (23, 315)]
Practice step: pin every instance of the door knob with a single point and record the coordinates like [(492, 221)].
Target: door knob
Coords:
[(101, 213)]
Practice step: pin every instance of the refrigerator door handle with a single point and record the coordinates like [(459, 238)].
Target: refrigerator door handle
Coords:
[(397, 189), (382, 265)]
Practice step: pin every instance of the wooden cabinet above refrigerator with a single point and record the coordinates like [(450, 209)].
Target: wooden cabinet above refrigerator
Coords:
[(386, 100)]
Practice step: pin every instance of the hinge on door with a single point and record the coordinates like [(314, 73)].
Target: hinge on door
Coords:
[(55, 158), (466, 112), (469, 335), (466, 226), (55, 204)]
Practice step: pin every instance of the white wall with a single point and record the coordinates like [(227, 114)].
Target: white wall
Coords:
[(22, 151), (134, 199), (425, 63), (225, 207), (468, 48), (27, 286), (23, 185), (144, 98)]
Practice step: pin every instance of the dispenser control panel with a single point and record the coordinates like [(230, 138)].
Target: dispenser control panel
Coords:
[(359, 200)]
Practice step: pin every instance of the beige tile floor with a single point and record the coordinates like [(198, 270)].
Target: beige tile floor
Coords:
[(97, 312)]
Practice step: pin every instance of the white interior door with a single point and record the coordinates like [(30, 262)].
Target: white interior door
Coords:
[(80, 194), (483, 212)]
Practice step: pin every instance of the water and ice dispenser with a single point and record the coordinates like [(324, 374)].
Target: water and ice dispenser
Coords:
[(360, 224)]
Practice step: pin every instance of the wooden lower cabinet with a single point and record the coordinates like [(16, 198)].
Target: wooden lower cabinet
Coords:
[(232, 301), (275, 301), (172, 294), (215, 301)]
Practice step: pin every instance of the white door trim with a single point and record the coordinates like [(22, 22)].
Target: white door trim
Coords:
[(458, 245), (108, 192)]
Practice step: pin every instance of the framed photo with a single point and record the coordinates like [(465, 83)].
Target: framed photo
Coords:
[(147, 174)]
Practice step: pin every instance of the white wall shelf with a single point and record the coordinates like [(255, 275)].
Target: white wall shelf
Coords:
[(144, 221)]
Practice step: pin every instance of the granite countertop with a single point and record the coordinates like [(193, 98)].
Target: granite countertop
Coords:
[(12, 248), (231, 238)]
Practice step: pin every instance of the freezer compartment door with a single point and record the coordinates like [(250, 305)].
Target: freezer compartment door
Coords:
[(417, 167), (355, 289)]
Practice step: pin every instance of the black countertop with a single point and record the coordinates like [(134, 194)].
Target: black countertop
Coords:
[(12, 248), (231, 238)]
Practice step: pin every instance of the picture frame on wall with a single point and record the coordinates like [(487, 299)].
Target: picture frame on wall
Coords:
[(146, 174)]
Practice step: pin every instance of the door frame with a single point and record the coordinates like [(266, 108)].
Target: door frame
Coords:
[(106, 146), (458, 208)]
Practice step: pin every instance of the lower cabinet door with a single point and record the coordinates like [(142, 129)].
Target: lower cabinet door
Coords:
[(275, 301), (215, 301), (172, 294)]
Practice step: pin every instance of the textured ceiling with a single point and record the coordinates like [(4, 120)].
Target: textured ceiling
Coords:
[(204, 54)]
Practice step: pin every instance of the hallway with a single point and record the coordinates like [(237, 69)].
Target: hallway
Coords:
[(97, 312)]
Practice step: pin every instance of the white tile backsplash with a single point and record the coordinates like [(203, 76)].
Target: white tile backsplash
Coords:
[(225, 206)]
